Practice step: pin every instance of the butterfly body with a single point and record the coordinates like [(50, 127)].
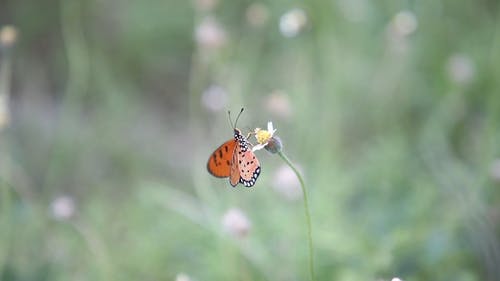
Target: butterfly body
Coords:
[(235, 159)]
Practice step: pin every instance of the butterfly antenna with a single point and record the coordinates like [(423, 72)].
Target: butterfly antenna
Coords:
[(233, 125), (229, 117), (238, 117)]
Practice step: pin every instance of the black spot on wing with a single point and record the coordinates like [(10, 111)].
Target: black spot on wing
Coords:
[(251, 182)]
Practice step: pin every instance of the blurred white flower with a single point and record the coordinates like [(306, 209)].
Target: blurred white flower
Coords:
[(182, 277), (8, 36), (396, 279), (4, 111), (404, 23), (214, 98), (257, 14), (461, 69), (63, 207), (293, 22), (278, 103), (236, 223), (495, 170), (401, 26), (285, 182), (353, 10), (209, 34)]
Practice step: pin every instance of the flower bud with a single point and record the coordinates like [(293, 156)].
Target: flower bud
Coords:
[(274, 145)]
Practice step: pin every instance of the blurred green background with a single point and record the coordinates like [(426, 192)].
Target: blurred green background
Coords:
[(391, 109)]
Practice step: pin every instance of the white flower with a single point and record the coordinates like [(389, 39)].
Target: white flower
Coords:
[(405, 23), (182, 277), (214, 98), (292, 22), (461, 68), (8, 35), (399, 29), (257, 14), (286, 183), (278, 103), (4, 111), (263, 136), (236, 223), (63, 208), (210, 34)]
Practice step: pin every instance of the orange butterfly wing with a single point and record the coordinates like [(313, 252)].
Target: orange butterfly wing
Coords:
[(247, 164), (220, 162), (234, 177), (249, 167)]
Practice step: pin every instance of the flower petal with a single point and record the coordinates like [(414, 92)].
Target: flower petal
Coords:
[(258, 147), (270, 127)]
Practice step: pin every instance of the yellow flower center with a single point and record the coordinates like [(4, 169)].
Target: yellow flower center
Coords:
[(262, 136)]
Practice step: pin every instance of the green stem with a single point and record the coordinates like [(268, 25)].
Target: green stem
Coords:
[(307, 213)]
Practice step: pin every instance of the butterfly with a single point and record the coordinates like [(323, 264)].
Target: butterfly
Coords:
[(235, 159)]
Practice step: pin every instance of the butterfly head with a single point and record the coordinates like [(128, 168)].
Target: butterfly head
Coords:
[(240, 138)]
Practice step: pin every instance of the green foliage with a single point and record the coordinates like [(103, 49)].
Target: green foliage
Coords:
[(391, 109)]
